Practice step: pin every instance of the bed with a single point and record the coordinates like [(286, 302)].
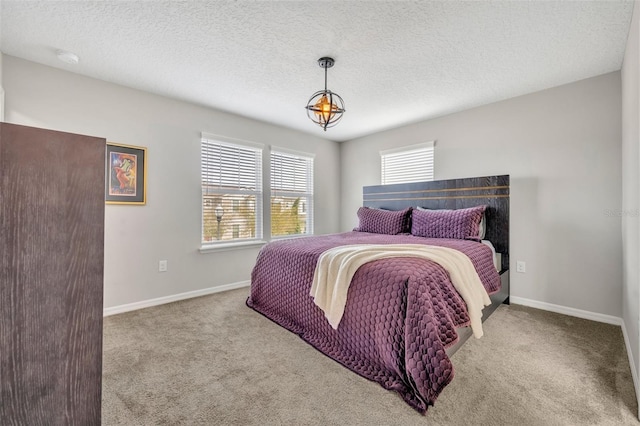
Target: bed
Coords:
[(403, 316)]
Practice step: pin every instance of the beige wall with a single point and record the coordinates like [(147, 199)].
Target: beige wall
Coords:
[(168, 227), (560, 146), (562, 149), (1, 91), (631, 191)]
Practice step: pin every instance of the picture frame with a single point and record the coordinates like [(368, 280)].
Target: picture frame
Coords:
[(126, 174)]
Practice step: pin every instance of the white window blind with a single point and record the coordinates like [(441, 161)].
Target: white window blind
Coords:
[(409, 164), (231, 191), (291, 194)]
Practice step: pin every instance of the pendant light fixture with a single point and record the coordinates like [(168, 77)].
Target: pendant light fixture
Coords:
[(325, 108)]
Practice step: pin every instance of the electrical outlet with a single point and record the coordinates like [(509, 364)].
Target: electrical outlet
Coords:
[(162, 266), (521, 266)]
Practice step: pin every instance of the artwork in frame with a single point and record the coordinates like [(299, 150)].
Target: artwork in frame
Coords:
[(126, 179)]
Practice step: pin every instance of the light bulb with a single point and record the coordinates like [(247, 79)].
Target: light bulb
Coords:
[(324, 109)]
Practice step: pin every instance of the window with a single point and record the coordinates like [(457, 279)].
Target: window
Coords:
[(231, 191), (291, 194), (408, 164)]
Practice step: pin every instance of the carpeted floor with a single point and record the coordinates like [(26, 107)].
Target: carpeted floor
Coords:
[(213, 361)]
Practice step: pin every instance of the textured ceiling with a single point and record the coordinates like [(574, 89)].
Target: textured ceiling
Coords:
[(396, 62)]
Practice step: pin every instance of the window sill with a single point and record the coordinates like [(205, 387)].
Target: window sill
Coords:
[(290, 237), (211, 248)]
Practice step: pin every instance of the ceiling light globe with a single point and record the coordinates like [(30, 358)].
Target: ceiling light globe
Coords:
[(325, 108)]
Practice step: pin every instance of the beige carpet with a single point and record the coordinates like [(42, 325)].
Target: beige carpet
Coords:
[(213, 361)]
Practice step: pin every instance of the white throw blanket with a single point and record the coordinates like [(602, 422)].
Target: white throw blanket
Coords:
[(337, 266)]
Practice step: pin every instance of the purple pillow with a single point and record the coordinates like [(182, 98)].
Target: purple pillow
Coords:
[(460, 224), (380, 221)]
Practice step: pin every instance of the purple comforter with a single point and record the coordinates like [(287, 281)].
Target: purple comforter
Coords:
[(401, 313)]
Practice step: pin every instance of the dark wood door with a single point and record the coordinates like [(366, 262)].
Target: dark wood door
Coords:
[(51, 276)]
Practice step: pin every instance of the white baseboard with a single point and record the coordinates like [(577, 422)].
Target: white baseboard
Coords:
[(173, 298), (632, 364), (593, 316)]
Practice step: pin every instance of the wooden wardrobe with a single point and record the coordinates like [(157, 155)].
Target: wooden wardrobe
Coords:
[(51, 276)]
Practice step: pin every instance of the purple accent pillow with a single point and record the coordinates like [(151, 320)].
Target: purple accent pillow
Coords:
[(459, 224), (380, 221)]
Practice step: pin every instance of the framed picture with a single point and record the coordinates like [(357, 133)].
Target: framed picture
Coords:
[(126, 180)]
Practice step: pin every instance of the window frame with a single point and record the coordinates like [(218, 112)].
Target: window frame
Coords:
[(408, 171), (306, 194), (258, 193)]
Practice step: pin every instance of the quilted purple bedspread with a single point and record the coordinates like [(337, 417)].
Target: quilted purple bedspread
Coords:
[(401, 313)]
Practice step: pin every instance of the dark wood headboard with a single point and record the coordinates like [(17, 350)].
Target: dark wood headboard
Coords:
[(492, 191)]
